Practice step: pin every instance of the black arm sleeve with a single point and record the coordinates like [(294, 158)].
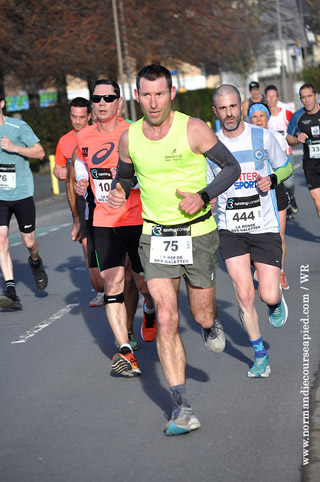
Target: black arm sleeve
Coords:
[(125, 174), (230, 170)]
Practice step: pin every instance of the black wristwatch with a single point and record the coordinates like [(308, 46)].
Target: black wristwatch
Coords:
[(205, 198), (274, 180)]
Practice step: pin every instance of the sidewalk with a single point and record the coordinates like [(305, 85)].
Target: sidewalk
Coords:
[(43, 191)]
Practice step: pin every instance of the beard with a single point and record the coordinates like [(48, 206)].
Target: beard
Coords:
[(232, 126)]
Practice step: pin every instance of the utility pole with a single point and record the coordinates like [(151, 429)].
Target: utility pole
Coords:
[(283, 79), (127, 61), (116, 29)]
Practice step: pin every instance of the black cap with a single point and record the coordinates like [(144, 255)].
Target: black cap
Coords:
[(254, 85)]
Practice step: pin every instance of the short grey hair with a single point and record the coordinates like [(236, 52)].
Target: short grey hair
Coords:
[(226, 89)]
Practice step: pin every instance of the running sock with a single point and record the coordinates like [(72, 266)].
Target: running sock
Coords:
[(273, 307), (147, 310), (35, 264), (179, 396), (125, 349), (258, 346), (10, 286)]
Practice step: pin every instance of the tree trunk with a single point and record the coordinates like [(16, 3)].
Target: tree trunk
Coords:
[(33, 94), (62, 90)]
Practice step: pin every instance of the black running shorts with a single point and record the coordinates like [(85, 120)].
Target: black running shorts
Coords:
[(112, 244), (264, 248), (24, 211)]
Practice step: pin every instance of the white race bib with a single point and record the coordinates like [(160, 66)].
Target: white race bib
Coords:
[(243, 214), (314, 150), (171, 245), (7, 177), (102, 179)]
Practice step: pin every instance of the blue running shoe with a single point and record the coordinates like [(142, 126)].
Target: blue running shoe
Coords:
[(260, 368), (183, 421), (278, 315)]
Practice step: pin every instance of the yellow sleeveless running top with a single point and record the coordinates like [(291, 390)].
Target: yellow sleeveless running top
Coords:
[(164, 165)]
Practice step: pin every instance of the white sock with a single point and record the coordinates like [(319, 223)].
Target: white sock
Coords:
[(148, 310), (127, 345)]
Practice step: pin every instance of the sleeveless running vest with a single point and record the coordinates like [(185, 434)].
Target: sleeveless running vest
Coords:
[(162, 166)]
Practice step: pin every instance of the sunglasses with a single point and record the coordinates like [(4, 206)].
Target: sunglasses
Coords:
[(108, 98)]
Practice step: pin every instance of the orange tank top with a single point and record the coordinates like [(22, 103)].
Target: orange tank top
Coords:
[(100, 152)]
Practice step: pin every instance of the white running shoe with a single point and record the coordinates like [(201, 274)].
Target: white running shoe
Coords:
[(97, 301), (214, 337)]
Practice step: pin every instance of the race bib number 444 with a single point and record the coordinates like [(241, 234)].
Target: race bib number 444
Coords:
[(244, 214), (171, 245)]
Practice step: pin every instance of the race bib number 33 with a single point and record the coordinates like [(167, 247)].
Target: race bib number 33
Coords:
[(171, 245), (314, 150)]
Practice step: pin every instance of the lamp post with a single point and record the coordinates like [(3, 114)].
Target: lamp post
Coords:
[(116, 29)]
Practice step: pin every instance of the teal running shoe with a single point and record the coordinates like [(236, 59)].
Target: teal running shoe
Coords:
[(260, 368), (278, 315), (183, 421)]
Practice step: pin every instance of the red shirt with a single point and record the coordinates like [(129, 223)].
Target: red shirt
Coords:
[(65, 148)]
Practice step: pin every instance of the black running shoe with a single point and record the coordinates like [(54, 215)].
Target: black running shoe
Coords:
[(39, 275), (294, 206), (10, 301), (290, 213)]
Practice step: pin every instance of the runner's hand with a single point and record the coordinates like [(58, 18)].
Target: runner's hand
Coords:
[(302, 137), (7, 145), (117, 197), (81, 186), (213, 202), (191, 202), (264, 183)]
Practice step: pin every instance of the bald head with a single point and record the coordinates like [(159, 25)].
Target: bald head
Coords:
[(223, 90)]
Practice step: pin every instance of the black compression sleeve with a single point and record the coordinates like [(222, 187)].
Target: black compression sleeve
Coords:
[(230, 170), (125, 174)]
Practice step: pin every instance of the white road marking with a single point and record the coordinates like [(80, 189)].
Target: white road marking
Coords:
[(40, 233), (30, 333)]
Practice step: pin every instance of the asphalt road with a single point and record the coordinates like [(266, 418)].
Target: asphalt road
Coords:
[(66, 418)]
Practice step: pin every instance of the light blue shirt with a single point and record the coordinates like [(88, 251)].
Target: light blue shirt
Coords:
[(20, 134)]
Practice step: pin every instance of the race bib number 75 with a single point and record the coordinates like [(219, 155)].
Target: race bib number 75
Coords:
[(171, 245)]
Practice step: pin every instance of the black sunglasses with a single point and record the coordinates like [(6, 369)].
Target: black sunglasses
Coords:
[(108, 98)]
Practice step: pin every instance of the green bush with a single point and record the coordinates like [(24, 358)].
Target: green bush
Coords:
[(196, 103), (311, 75)]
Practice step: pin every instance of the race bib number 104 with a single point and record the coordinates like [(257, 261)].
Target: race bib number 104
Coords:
[(102, 179)]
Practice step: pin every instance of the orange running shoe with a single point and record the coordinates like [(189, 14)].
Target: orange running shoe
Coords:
[(283, 281), (125, 363), (149, 326)]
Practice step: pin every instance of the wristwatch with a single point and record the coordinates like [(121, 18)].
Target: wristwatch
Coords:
[(205, 198), (274, 180)]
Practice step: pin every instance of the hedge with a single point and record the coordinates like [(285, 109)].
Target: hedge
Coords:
[(50, 123)]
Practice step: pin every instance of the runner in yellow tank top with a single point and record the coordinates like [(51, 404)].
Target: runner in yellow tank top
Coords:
[(167, 150), (173, 164)]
